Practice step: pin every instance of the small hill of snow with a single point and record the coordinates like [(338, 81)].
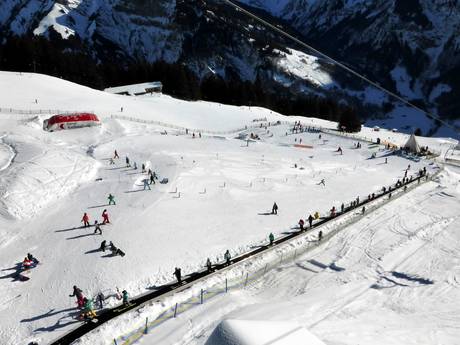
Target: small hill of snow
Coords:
[(249, 332)]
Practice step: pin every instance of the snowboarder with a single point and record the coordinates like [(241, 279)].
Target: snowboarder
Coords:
[(275, 208), (128, 165), (85, 219), (227, 257), (103, 245), (177, 273), (320, 236), (111, 199), (97, 228), (105, 217), (208, 265), (79, 295), (146, 184), (115, 155), (124, 293), (301, 224), (271, 238), (310, 220)]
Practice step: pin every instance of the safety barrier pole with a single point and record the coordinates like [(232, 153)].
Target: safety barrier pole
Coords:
[(226, 285), (201, 296), (146, 325), (175, 310)]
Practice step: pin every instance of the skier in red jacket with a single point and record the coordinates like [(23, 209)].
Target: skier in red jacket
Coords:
[(105, 217), (85, 219)]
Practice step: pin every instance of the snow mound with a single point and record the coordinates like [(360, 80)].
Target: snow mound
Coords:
[(245, 332)]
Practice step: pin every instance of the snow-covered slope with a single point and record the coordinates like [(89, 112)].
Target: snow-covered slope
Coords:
[(409, 46), (220, 189)]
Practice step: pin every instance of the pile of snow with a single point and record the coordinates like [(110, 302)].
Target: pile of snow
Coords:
[(248, 332)]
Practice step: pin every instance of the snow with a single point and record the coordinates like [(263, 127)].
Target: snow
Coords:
[(218, 194), (238, 332), (305, 67)]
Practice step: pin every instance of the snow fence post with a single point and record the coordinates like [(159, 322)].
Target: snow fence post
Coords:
[(146, 330), (226, 285), (175, 310), (246, 280), (201, 296)]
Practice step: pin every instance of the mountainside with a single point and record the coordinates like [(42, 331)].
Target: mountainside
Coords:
[(409, 49), (410, 46)]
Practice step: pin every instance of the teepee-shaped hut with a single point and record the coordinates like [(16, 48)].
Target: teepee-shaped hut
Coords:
[(412, 145)]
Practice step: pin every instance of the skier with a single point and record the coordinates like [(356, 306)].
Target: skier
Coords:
[(85, 219), (227, 257), (103, 245), (275, 208), (177, 273), (100, 299), (115, 155), (333, 211), (135, 166), (301, 224), (127, 162), (111, 199), (146, 184), (125, 297), (105, 217), (386, 160), (26, 264), (208, 265), (322, 182), (320, 236), (79, 295), (271, 238), (152, 179), (342, 207), (97, 228), (32, 258), (310, 220), (143, 167), (89, 308), (363, 210), (316, 215)]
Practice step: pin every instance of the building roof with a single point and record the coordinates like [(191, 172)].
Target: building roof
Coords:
[(135, 89)]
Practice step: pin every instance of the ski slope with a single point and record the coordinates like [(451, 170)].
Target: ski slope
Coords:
[(220, 191)]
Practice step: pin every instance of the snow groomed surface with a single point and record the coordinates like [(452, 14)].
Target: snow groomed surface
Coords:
[(191, 278)]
